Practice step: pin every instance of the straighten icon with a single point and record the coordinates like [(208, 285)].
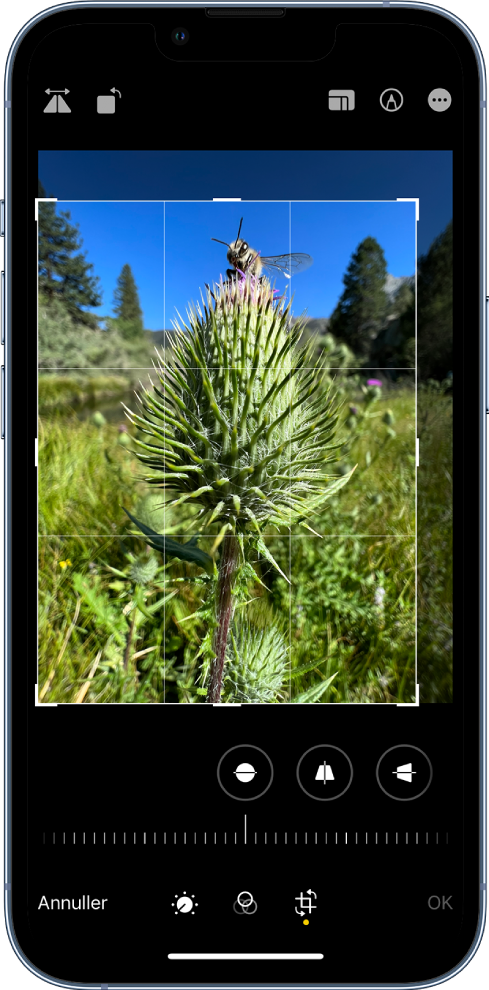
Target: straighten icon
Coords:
[(324, 773)]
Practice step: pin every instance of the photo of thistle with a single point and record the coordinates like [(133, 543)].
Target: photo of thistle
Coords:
[(261, 547)]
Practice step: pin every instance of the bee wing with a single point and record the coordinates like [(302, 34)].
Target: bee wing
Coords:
[(287, 264)]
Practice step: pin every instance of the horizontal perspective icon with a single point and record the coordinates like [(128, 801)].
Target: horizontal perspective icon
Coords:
[(405, 772)]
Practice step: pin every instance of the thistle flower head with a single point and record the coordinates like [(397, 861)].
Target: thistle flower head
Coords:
[(238, 422)]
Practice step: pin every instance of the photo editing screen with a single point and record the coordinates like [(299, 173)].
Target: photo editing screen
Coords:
[(245, 499), (254, 491)]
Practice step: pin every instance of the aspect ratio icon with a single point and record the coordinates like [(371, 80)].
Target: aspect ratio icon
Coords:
[(391, 100), (245, 772), (106, 104), (341, 99)]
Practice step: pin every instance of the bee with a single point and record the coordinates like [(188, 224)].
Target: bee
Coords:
[(245, 259)]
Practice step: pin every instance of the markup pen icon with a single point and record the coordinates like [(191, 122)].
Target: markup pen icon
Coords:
[(57, 104)]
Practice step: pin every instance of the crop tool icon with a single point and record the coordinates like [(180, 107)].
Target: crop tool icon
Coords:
[(305, 902)]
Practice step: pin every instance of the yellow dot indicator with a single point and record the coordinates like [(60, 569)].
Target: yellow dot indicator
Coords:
[(306, 921)]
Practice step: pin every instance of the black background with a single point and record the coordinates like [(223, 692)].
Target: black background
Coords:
[(472, 15)]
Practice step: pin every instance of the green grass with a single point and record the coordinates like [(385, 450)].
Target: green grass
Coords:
[(115, 621)]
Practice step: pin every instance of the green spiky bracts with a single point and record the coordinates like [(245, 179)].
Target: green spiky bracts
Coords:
[(240, 423)]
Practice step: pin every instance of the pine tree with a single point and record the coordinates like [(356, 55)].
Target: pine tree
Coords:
[(363, 306), (435, 308), (129, 315), (64, 272)]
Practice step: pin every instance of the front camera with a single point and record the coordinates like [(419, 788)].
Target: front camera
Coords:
[(179, 36)]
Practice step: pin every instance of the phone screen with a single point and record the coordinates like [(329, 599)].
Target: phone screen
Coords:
[(244, 473)]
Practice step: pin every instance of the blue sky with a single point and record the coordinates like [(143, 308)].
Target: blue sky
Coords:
[(115, 234), (329, 232), (170, 249)]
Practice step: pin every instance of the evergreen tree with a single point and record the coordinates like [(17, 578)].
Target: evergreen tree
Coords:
[(363, 306), (129, 315), (64, 272), (435, 308)]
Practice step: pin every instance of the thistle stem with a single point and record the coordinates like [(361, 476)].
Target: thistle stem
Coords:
[(224, 613)]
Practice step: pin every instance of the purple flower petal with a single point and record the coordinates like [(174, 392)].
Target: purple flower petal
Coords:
[(374, 381)]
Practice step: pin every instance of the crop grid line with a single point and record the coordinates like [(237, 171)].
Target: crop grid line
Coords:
[(415, 461), (164, 424), (294, 536), (290, 535), (125, 371)]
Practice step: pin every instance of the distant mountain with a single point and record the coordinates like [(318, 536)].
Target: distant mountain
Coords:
[(394, 282), (314, 325)]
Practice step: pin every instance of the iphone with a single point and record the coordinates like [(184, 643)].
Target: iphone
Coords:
[(243, 411)]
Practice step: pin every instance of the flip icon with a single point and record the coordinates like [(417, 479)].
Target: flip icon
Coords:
[(57, 104), (405, 772)]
